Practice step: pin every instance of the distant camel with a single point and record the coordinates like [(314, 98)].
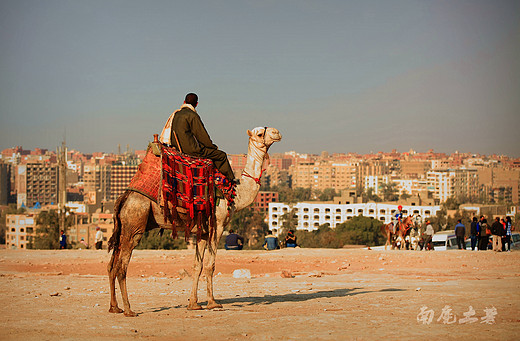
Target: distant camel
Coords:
[(400, 234), (134, 214)]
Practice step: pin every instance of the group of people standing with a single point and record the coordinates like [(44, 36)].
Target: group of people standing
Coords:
[(496, 236), (271, 242)]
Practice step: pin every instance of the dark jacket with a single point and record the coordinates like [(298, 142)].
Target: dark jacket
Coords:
[(473, 229), (191, 133), (233, 238), (497, 228), (460, 230)]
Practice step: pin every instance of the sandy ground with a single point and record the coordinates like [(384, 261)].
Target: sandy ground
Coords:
[(344, 294)]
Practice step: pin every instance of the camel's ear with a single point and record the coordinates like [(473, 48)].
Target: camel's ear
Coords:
[(249, 132)]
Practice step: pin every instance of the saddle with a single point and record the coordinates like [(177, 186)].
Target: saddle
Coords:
[(185, 187)]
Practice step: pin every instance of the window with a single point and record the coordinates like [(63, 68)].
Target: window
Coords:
[(338, 218), (305, 224), (371, 211), (338, 210), (30, 230), (327, 210), (360, 211), (316, 224), (427, 212), (382, 212), (316, 210), (306, 209), (327, 217), (22, 229), (382, 218), (13, 229), (416, 212), (306, 217), (316, 217)]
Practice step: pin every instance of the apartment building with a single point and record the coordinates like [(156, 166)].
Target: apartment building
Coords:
[(320, 175), (21, 228), (36, 182), (262, 200), (312, 215), (447, 183)]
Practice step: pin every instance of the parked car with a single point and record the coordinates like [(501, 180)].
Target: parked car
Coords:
[(444, 240)]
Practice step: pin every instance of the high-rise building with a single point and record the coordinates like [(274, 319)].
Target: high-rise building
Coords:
[(37, 182), (5, 183)]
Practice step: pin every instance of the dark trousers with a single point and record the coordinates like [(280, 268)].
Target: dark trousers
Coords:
[(483, 243), (99, 245), (506, 240), (234, 247), (473, 242), (460, 243), (220, 160)]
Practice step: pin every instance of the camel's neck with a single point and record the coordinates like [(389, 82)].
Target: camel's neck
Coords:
[(248, 188)]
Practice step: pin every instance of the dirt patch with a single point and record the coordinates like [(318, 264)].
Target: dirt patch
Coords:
[(292, 294)]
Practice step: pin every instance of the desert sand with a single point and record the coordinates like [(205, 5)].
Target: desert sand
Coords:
[(292, 294)]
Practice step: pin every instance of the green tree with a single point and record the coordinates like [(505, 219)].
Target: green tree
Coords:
[(389, 191), (404, 195), (327, 194), (361, 230), (47, 229), (154, 240), (369, 195)]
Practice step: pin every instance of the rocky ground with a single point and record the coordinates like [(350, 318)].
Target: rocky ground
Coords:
[(291, 294)]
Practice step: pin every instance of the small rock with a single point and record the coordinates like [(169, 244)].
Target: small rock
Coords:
[(242, 273), (66, 288), (418, 289), (287, 274), (55, 294)]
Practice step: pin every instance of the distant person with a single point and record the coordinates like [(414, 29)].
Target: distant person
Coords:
[(271, 242), (84, 243), (484, 234), (509, 233), (99, 238), (473, 233), (234, 241), (503, 235), (496, 235), (460, 233), (290, 239), (428, 236), (63, 240)]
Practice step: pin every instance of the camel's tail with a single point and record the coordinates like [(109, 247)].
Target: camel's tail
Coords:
[(113, 243)]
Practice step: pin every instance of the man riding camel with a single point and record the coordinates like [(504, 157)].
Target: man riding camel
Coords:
[(398, 218), (185, 131)]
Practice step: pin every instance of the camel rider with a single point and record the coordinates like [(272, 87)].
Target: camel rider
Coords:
[(398, 218), (185, 127)]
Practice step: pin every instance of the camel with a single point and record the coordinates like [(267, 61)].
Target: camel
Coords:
[(400, 235), (134, 214)]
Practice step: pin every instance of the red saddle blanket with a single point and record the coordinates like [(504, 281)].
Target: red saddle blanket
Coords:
[(175, 180)]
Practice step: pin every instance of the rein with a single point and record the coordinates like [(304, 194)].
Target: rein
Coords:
[(266, 157)]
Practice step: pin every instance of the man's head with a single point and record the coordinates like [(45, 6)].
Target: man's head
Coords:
[(459, 221), (497, 218), (231, 231), (192, 99), (98, 228)]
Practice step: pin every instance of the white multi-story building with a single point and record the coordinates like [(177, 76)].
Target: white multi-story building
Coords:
[(311, 215), (375, 182)]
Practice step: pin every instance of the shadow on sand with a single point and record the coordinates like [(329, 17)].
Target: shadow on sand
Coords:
[(292, 297)]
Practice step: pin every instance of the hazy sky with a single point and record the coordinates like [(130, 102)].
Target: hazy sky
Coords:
[(341, 76)]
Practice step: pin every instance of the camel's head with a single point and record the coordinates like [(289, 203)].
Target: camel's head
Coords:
[(264, 135)]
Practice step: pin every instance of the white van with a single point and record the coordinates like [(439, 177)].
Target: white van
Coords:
[(444, 240)]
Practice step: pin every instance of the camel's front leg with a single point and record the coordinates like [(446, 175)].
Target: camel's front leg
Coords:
[(210, 269), (197, 270)]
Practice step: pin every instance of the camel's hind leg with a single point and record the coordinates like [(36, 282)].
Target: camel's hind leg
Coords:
[(126, 253), (114, 261)]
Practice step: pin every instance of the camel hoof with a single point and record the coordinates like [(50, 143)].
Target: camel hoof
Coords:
[(194, 307), (115, 310), (130, 314), (214, 305)]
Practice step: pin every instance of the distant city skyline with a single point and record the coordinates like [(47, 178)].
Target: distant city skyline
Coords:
[(334, 76)]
